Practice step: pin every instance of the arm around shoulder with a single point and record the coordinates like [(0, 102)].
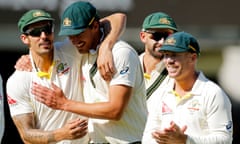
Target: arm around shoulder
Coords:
[(114, 26)]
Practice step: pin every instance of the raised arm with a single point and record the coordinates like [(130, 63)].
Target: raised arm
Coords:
[(114, 25), (29, 133)]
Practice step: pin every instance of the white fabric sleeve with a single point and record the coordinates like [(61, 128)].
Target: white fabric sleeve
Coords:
[(218, 111), (125, 60), (18, 87)]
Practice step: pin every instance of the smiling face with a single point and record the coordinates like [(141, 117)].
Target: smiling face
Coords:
[(153, 40), (179, 65), (39, 37), (86, 40)]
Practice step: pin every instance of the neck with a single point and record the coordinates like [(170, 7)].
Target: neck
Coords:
[(43, 62), (149, 63), (185, 85)]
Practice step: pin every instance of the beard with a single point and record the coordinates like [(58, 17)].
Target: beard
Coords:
[(155, 53)]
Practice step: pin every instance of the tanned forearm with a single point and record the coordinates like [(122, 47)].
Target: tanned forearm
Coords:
[(114, 26), (113, 109), (26, 126)]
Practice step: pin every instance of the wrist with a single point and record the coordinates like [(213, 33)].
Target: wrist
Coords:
[(64, 106), (59, 134)]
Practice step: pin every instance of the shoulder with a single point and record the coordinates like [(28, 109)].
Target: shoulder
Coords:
[(210, 90), (209, 84), (19, 77), (19, 82), (124, 50), (123, 46)]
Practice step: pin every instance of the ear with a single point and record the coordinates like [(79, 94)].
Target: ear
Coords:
[(95, 25), (142, 36), (24, 39), (194, 57)]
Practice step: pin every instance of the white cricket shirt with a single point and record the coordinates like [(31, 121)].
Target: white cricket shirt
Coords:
[(130, 127), (65, 74), (206, 112), (152, 81)]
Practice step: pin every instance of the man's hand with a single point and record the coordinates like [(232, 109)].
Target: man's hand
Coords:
[(105, 64), (171, 135), (73, 129), (23, 63), (52, 97)]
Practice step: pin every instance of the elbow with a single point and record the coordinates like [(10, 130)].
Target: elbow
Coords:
[(116, 115), (122, 15), (124, 19)]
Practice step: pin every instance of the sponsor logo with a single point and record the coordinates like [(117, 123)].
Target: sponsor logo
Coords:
[(62, 69), (125, 70), (193, 106), (67, 22), (166, 108), (229, 126), (11, 101)]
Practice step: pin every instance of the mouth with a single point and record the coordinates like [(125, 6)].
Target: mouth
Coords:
[(171, 69), (79, 45), (45, 44), (156, 49)]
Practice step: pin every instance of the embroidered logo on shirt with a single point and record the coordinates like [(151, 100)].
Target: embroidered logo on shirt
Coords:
[(11, 101), (62, 68), (193, 106), (125, 70), (165, 108)]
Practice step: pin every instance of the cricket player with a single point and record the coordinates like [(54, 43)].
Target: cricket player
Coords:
[(156, 28), (190, 109), (57, 63), (117, 108)]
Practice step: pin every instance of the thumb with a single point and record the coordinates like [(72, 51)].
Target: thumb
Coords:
[(184, 128)]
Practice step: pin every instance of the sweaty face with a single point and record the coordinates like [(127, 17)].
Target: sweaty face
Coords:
[(155, 39), (39, 37)]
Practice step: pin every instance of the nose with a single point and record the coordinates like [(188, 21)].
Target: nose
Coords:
[(160, 41), (168, 59), (43, 34), (73, 39)]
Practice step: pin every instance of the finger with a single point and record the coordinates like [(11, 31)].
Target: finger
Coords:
[(78, 122), (54, 86), (159, 138), (83, 123), (111, 67), (108, 73), (184, 128), (42, 100), (107, 77), (37, 91), (79, 131)]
